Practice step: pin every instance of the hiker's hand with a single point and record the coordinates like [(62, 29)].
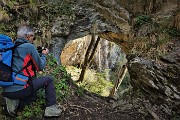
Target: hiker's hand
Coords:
[(46, 51)]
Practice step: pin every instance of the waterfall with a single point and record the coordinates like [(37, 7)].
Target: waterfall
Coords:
[(106, 52), (99, 58)]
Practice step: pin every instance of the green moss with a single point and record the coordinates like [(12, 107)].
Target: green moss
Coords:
[(39, 14), (173, 32), (142, 19)]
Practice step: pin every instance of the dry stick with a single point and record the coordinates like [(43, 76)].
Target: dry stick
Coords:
[(124, 71), (94, 50), (86, 59), (112, 92), (117, 81), (81, 107), (121, 73), (152, 113)]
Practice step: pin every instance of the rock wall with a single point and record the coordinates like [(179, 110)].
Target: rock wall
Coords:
[(161, 80), (158, 77)]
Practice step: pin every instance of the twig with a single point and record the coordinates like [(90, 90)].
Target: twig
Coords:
[(114, 112), (152, 113), (80, 107)]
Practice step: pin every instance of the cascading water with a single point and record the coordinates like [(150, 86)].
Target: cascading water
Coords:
[(99, 58), (109, 55), (106, 61)]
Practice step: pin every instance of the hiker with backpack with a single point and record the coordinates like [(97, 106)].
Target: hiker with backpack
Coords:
[(25, 61)]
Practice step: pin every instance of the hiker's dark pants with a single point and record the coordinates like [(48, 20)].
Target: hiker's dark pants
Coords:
[(29, 94)]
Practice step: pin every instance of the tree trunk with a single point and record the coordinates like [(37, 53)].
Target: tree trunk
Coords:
[(94, 49), (121, 73), (87, 58)]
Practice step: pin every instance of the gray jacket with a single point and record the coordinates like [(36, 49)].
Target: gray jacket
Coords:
[(21, 56)]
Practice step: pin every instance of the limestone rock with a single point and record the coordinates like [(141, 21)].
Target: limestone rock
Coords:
[(159, 80)]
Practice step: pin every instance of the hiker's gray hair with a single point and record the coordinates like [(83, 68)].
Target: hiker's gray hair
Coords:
[(23, 31)]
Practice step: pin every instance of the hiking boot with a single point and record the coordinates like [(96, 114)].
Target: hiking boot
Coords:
[(10, 106), (52, 111)]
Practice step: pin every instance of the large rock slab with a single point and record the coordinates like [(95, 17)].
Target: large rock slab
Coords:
[(160, 79)]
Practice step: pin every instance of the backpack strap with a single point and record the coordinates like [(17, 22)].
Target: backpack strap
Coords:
[(11, 48), (6, 49), (17, 44), (25, 67)]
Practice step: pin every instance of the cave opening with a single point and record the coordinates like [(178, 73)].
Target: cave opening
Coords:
[(103, 71)]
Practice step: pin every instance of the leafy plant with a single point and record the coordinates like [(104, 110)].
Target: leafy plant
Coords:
[(140, 20), (80, 91), (173, 32), (11, 3), (176, 116), (60, 75), (32, 111)]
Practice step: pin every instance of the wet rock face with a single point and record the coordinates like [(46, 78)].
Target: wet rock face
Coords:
[(159, 79)]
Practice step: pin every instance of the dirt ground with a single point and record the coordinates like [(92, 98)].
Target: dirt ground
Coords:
[(90, 106), (94, 108)]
